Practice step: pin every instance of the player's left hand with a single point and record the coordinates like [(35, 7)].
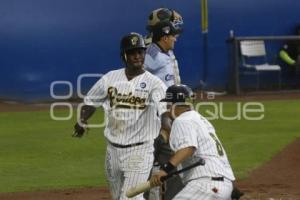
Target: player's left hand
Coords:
[(79, 130), (155, 179)]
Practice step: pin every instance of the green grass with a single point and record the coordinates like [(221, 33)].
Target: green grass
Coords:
[(251, 143), (37, 153)]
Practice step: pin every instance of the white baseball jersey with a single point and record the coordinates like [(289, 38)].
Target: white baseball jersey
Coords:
[(192, 129), (131, 107), (162, 64)]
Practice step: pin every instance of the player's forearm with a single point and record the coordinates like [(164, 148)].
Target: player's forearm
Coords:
[(166, 121), (182, 155), (166, 124), (86, 112)]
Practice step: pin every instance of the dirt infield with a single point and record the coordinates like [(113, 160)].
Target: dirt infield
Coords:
[(70, 194), (278, 179), (9, 106)]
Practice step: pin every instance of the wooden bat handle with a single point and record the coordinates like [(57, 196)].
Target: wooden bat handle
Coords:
[(138, 189), (143, 187)]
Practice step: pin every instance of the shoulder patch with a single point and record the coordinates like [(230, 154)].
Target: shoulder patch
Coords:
[(152, 50), (169, 77)]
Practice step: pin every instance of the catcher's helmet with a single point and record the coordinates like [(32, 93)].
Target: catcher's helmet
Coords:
[(131, 41), (164, 14), (178, 93), (164, 28)]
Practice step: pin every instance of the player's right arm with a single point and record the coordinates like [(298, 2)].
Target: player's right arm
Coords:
[(183, 143), (95, 98), (86, 112), (183, 136), (181, 155), (171, 165), (166, 124)]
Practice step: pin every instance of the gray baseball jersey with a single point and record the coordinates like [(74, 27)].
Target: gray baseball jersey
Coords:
[(165, 66), (162, 64)]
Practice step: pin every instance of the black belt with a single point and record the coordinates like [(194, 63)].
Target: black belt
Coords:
[(217, 178), (126, 146)]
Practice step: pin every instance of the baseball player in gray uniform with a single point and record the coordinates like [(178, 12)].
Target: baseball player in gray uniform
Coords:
[(193, 137), (130, 98), (164, 26)]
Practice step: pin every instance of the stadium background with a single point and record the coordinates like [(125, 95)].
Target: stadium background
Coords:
[(42, 41), (49, 40)]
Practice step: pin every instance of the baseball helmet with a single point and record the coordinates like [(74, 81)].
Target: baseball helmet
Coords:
[(131, 41), (164, 28), (164, 14), (178, 93)]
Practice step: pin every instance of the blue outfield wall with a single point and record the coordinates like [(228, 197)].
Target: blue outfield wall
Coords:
[(42, 41)]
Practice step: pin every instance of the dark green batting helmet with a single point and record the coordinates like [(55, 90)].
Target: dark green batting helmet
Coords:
[(178, 94), (132, 41)]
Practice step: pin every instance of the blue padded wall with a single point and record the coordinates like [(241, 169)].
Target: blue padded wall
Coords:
[(42, 41)]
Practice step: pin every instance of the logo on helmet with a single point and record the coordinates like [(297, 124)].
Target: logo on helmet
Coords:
[(166, 29), (134, 40)]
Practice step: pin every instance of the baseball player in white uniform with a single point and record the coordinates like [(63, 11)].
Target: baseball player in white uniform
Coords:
[(131, 100), (164, 26), (193, 137)]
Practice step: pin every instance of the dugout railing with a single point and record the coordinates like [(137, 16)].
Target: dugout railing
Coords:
[(235, 57)]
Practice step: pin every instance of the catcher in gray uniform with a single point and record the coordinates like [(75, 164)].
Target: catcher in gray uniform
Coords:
[(164, 26)]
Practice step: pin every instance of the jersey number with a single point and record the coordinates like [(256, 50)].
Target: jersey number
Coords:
[(218, 144)]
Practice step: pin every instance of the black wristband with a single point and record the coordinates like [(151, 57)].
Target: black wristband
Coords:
[(86, 112), (168, 167)]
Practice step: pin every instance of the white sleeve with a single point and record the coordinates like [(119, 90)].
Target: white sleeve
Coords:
[(158, 93), (98, 93), (182, 135)]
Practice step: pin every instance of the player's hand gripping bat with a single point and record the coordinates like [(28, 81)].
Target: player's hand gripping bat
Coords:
[(143, 187)]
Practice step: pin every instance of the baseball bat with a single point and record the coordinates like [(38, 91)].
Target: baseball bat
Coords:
[(143, 187), (140, 188)]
